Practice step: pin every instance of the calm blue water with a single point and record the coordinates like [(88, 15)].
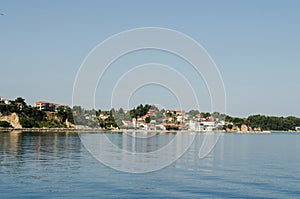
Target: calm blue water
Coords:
[(56, 165)]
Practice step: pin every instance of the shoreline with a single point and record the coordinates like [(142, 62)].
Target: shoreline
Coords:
[(94, 130)]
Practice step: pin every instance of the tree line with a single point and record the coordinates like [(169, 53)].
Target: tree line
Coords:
[(266, 122), (33, 117)]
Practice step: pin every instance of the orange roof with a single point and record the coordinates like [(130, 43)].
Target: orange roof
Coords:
[(61, 105), (43, 102)]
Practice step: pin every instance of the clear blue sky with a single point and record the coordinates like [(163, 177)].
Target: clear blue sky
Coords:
[(256, 45)]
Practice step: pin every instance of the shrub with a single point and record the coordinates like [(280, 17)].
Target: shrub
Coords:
[(5, 124)]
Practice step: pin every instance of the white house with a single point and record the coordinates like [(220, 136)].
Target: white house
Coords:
[(208, 124)]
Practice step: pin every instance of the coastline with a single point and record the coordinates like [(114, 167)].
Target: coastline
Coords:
[(95, 130)]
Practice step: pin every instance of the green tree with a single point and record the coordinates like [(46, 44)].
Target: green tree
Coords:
[(5, 124), (159, 117), (69, 115), (230, 126), (140, 111), (169, 114), (193, 113), (148, 120), (20, 100), (205, 115), (28, 123), (79, 116)]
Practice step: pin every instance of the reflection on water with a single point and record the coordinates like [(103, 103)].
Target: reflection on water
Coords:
[(142, 142), (11, 152), (56, 165), (22, 150), (41, 148), (137, 154)]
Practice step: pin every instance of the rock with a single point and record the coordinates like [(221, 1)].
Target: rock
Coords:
[(244, 128), (69, 124), (13, 119)]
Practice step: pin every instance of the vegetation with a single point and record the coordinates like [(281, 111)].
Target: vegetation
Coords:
[(193, 113), (235, 120), (140, 111), (171, 127), (265, 122), (159, 117), (65, 114), (6, 109), (272, 122), (119, 116), (5, 124), (32, 117), (109, 122), (96, 119), (148, 120)]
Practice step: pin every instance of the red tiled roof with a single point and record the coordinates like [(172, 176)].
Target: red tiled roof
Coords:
[(207, 121), (43, 102)]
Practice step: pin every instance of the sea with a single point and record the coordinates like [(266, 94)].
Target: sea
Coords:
[(61, 165)]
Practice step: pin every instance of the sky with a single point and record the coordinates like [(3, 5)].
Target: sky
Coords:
[(255, 45)]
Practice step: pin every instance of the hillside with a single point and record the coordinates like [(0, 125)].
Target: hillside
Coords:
[(18, 114)]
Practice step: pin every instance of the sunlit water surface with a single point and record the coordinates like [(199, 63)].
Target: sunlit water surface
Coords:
[(43, 165)]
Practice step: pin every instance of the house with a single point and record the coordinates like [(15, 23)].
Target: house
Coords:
[(127, 123), (208, 124), (45, 106), (5, 101), (175, 112), (143, 117), (49, 106), (198, 117), (151, 112), (103, 116), (143, 126), (134, 122), (179, 112), (140, 119), (181, 118), (169, 119), (61, 106), (195, 126)]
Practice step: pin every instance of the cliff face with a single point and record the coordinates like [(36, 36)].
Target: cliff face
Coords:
[(244, 128), (69, 124), (13, 119)]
